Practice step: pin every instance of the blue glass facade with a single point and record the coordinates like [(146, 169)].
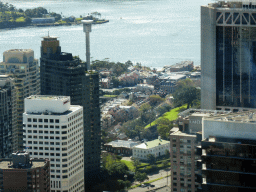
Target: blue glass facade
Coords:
[(235, 65)]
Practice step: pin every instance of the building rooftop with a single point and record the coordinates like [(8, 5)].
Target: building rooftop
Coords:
[(122, 143), (180, 133), (234, 4), (5, 164), (197, 112), (21, 160), (19, 50), (245, 116), (48, 97), (152, 144)]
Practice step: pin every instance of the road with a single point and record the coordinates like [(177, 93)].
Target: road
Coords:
[(158, 184)]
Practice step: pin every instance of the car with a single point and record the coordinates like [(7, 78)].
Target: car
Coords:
[(142, 185), (151, 185)]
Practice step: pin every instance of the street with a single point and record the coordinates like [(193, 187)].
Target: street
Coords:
[(158, 184)]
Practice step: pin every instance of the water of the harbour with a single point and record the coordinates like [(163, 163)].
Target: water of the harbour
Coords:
[(153, 32)]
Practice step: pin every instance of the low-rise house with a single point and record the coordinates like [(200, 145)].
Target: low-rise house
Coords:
[(156, 147), (105, 83), (120, 147)]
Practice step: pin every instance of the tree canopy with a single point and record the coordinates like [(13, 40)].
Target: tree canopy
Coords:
[(186, 93)]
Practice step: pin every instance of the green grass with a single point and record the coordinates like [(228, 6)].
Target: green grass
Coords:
[(61, 22), (171, 115), (20, 19), (129, 164), (110, 95), (79, 19)]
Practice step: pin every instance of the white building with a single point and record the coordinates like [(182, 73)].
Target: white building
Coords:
[(156, 147), (53, 129)]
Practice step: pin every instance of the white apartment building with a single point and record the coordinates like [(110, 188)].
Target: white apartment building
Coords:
[(156, 147), (53, 129)]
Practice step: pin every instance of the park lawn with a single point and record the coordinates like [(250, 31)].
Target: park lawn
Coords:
[(20, 19), (129, 164), (109, 95), (79, 19), (171, 115)]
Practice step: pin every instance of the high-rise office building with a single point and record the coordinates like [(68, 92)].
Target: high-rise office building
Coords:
[(20, 173), (8, 115), (23, 67), (228, 152), (228, 49), (53, 129), (184, 141), (62, 74)]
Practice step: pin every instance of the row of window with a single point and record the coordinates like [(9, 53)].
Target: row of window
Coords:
[(181, 140), (74, 116), (48, 154), (43, 120)]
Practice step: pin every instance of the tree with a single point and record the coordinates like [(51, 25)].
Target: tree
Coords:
[(186, 93), (167, 154), (163, 127), (155, 99), (136, 164), (140, 177), (165, 163), (145, 107), (151, 158)]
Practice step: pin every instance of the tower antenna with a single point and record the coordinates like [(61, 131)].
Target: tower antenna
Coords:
[(87, 27)]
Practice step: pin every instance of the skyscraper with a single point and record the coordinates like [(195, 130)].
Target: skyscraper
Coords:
[(23, 67), (228, 152), (53, 129), (8, 115), (63, 74), (228, 55)]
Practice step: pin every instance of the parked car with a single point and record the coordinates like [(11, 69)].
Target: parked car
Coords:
[(151, 185)]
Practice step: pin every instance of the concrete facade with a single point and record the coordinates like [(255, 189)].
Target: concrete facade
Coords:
[(208, 59), (58, 136)]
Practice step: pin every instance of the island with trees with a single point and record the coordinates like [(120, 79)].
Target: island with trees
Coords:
[(11, 17)]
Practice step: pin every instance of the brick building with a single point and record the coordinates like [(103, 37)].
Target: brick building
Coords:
[(23, 174)]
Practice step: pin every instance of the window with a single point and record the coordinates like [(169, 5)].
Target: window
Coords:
[(51, 121), (57, 120), (34, 131), (29, 119), (40, 120), (34, 120), (46, 120)]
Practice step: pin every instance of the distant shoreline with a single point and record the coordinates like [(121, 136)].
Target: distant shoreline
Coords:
[(53, 24)]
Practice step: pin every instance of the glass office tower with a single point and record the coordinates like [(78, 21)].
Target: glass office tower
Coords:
[(228, 55)]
